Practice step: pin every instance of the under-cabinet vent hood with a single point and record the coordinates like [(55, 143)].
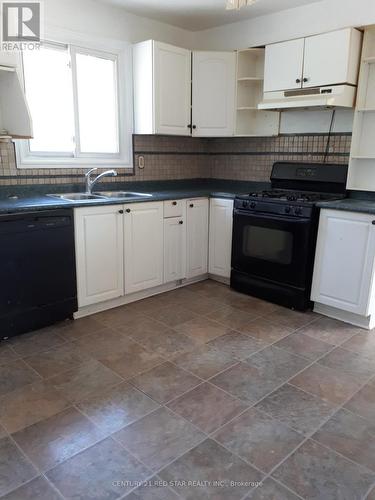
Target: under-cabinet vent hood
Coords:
[(341, 96)]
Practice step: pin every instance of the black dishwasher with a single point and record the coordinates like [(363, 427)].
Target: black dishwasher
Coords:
[(37, 270)]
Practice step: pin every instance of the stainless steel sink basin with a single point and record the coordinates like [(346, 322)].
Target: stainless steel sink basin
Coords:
[(76, 196), (122, 194)]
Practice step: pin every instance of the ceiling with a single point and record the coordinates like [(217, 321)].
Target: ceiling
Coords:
[(198, 15)]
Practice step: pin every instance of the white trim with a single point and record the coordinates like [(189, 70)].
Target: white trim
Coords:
[(124, 159)]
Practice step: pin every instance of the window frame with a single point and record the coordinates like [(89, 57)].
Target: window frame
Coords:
[(118, 51)]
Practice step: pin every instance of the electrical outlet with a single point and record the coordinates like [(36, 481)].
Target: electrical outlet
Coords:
[(141, 162)]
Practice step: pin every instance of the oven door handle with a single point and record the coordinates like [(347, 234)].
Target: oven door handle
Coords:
[(281, 218)]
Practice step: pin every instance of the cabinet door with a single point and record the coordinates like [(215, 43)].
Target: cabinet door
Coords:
[(330, 58), (220, 243), (213, 93), (143, 231), (99, 254), (197, 237), (174, 249), (172, 89), (283, 65), (344, 261)]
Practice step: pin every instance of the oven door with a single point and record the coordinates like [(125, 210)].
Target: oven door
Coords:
[(273, 247)]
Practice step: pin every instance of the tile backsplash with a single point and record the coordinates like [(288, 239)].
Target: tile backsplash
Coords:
[(169, 157)]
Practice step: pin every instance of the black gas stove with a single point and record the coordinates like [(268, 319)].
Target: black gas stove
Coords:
[(274, 232)]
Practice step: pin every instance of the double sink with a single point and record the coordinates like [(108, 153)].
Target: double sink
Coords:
[(101, 195)]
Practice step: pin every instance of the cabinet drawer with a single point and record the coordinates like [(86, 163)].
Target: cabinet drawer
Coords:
[(173, 208)]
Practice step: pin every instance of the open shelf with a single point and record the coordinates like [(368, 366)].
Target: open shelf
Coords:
[(250, 64), (361, 175), (250, 79), (251, 122)]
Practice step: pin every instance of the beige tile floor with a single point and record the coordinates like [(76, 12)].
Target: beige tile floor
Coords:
[(199, 393)]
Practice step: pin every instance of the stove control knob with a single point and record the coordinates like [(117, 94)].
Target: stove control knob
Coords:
[(287, 210), (253, 204), (245, 203), (298, 211)]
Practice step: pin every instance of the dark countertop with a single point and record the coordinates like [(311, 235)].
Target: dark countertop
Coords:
[(35, 197), (357, 202)]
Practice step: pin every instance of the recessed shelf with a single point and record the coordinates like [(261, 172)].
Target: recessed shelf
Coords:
[(355, 157), (369, 60), (244, 108), (364, 110), (250, 79)]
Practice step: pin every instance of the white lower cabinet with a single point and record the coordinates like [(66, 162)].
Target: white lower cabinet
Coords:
[(344, 262), (124, 249), (143, 233), (99, 254), (197, 237), (220, 237), (174, 249)]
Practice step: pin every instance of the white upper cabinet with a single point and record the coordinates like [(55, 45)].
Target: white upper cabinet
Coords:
[(172, 74), (283, 65), (213, 93), (332, 58), (162, 88), (319, 60), (197, 237), (167, 101), (99, 253), (344, 262), (15, 119), (220, 244), (143, 233)]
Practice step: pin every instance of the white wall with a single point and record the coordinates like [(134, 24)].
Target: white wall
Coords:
[(311, 19), (95, 18)]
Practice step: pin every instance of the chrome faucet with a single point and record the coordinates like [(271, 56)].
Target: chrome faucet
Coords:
[(91, 183)]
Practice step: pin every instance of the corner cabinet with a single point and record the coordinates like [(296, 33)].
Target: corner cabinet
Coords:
[(143, 233), (171, 98), (197, 237), (99, 245), (344, 262), (220, 237)]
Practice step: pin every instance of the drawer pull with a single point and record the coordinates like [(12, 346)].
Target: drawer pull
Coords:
[(191, 205), (181, 222), (174, 203), (120, 211), (128, 210)]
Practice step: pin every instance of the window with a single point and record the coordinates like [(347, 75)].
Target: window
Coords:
[(74, 100)]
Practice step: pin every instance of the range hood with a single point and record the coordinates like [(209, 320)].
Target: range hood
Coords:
[(342, 96)]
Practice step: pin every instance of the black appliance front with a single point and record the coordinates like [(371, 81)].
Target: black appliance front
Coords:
[(37, 270), (272, 257), (272, 252)]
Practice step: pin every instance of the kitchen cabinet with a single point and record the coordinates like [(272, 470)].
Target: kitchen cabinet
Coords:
[(143, 234), (319, 60), (15, 119), (220, 237), (283, 65), (162, 88), (99, 253), (197, 237), (213, 93), (174, 249), (171, 99), (344, 262)]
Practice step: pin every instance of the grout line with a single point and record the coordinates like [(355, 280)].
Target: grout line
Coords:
[(207, 381)]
